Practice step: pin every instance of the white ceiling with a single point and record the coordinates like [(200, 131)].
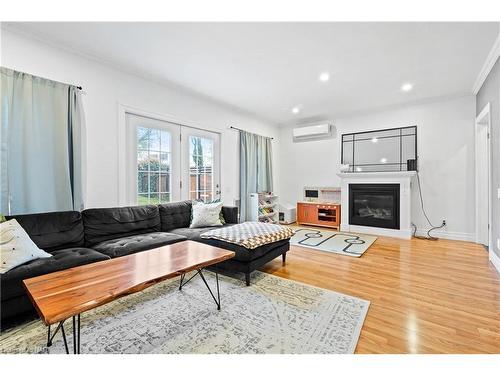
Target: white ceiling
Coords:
[(267, 68)]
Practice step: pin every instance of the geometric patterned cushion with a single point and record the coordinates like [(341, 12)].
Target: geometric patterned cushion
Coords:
[(250, 234)]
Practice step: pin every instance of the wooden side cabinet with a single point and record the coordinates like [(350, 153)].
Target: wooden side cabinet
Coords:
[(319, 214)]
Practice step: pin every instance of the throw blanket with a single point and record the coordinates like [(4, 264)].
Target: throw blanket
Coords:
[(250, 234)]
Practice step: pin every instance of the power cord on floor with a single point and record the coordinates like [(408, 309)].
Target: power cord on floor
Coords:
[(433, 227)]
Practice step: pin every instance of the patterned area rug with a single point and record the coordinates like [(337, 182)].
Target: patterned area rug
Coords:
[(273, 315), (351, 244)]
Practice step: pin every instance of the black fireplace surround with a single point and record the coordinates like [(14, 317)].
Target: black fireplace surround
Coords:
[(374, 205)]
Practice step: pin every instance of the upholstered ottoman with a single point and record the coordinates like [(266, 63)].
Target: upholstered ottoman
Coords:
[(255, 244)]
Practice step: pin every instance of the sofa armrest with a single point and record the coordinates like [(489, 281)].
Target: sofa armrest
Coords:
[(230, 214)]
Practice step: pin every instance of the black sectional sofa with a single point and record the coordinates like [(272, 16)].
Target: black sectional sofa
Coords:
[(97, 234)]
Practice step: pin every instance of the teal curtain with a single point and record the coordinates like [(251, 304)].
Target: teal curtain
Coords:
[(77, 154), (40, 170), (256, 169)]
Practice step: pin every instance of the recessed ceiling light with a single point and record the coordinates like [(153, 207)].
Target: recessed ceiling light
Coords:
[(374, 140), (406, 87), (324, 77), (383, 160), (295, 110)]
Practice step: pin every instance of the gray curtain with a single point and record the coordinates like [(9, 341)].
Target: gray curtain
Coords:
[(256, 169), (41, 152)]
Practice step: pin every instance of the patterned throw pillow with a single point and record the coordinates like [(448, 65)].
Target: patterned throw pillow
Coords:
[(221, 215), (16, 247), (206, 215)]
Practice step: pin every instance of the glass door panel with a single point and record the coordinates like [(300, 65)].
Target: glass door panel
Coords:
[(200, 165), (154, 161)]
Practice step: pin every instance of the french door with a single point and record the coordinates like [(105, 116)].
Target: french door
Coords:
[(168, 162), (200, 164)]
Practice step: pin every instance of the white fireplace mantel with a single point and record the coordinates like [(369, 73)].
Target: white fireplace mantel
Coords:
[(401, 178)]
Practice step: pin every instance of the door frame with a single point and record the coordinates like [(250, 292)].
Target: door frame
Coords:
[(123, 109), (483, 121)]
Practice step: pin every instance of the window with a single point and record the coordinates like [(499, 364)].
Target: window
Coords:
[(154, 182)]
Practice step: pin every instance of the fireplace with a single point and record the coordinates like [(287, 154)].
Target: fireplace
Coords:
[(374, 205)]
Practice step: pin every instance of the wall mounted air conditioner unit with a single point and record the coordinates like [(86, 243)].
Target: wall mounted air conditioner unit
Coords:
[(312, 132)]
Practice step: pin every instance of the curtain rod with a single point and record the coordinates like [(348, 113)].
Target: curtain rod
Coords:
[(48, 79), (241, 130)]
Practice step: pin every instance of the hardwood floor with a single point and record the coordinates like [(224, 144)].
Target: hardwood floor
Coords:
[(426, 296)]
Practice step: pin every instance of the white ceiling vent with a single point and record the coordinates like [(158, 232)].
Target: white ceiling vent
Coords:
[(312, 132)]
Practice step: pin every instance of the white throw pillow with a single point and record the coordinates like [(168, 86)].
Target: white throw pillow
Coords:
[(16, 247), (206, 214)]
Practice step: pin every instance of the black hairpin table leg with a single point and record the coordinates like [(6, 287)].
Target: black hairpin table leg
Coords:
[(199, 272), (216, 300), (61, 324), (76, 335)]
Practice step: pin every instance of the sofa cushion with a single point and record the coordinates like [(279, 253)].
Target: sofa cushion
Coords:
[(241, 254), (103, 224), (230, 214), (132, 244), (192, 233), (53, 230), (11, 281), (175, 215)]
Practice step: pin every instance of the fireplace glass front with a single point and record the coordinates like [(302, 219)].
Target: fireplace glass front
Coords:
[(374, 205)]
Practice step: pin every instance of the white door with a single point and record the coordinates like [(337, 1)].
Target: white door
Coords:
[(200, 164), (153, 173)]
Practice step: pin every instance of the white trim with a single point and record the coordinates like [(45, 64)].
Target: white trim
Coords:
[(397, 233), (495, 260), (457, 236), (488, 65), (364, 175), (485, 113)]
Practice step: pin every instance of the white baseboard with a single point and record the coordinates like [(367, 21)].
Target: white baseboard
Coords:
[(459, 236), (495, 260), (403, 233)]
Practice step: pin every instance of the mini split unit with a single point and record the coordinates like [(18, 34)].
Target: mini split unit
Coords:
[(312, 132)]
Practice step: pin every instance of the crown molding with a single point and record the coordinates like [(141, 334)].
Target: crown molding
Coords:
[(11, 27), (488, 65)]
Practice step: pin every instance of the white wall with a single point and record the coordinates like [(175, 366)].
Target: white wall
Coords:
[(106, 88), (446, 160)]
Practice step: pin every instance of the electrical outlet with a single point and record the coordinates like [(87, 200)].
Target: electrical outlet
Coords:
[(444, 223), (498, 243), (498, 193)]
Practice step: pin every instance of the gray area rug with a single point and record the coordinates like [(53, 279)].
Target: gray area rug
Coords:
[(351, 244), (273, 315)]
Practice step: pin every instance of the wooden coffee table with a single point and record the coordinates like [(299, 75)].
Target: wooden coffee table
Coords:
[(66, 294)]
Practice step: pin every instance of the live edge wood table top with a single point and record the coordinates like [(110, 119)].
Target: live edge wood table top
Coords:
[(64, 294)]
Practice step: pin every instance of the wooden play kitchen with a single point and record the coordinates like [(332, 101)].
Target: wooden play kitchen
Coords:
[(319, 214)]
